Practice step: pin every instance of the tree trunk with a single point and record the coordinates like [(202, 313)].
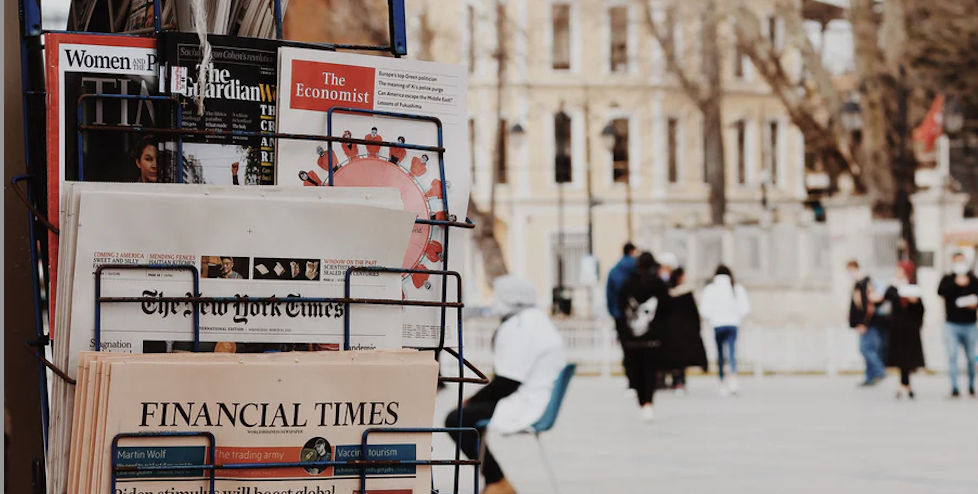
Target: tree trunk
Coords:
[(715, 170), (875, 94), (493, 261), (716, 173)]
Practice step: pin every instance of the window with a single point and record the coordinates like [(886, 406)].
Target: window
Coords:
[(738, 61), (563, 171), (672, 142), (620, 151), (618, 18), (775, 166), (741, 128), (575, 248), (502, 142), (472, 152), (671, 31), (706, 163), (669, 44), (562, 36), (471, 26), (774, 33)]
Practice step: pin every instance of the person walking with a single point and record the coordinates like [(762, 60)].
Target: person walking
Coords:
[(904, 350), (864, 319), (724, 306), (645, 302), (617, 277), (682, 344), (960, 293), (528, 356)]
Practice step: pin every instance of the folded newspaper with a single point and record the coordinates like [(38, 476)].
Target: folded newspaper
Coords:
[(307, 409), (225, 234)]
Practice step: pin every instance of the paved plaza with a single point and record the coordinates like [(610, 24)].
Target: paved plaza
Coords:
[(782, 435)]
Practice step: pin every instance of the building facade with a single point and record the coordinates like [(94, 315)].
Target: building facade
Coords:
[(574, 68)]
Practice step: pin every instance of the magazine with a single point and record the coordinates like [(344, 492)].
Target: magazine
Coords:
[(240, 96), (96, 64), (314, 81), (260, 409)]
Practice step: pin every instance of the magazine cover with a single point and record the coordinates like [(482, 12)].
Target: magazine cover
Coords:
[(96, 64), (268, 408), (240, 96), (315, 81)]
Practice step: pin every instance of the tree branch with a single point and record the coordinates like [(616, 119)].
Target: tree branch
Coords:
[(820, 130), (667, 43)]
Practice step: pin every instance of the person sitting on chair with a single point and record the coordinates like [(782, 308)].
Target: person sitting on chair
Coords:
[(528, 356)]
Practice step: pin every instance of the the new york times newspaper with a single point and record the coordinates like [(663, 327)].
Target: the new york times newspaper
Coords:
[(240, 96), (242, 249)]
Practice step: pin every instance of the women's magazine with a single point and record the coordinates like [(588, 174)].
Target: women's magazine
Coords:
[(80, 64)]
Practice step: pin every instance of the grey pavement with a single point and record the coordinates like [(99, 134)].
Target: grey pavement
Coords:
[(782, 434)]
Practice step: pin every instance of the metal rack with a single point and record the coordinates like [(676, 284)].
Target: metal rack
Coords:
[(32, 78)]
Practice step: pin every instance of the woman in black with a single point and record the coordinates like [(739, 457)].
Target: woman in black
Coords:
[(645, 302), (904, 350), (681, 341)]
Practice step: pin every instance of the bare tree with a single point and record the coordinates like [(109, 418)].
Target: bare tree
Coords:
[(705, 90), (484, 233), (815, 106)]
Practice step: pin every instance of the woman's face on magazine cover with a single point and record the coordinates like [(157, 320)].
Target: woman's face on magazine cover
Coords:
[(146, 162)]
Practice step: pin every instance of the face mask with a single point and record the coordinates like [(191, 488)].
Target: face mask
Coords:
[(854, 275), (959, 268)]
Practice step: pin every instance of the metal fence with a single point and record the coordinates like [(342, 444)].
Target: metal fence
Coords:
[(761, 350), (592, 345), (780, 255)]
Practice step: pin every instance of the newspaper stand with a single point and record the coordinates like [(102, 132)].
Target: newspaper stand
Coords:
[(33, 93)]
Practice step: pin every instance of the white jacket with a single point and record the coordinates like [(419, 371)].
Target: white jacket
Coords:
[(528, 349), (723, 304)]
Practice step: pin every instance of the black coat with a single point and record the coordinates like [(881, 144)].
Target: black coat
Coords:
[(645, 353), (682, 345), (904, 349)]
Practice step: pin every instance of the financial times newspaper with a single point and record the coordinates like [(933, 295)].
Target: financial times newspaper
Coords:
[(267, 409)]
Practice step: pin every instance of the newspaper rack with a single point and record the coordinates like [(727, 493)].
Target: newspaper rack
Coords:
[(32, 80)]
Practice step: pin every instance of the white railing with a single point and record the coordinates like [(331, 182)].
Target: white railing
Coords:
[(760, 349)]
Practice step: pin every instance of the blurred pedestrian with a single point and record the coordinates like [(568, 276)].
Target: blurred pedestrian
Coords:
[(645, 301), (668, 262), (528, 355), (864, 319), (682, 344), (906, 317), (617, 278), (724, 306), (960, 292)]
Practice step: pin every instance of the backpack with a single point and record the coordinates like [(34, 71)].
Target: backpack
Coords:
[(641, 316)]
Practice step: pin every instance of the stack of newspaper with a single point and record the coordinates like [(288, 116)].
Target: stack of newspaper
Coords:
[(249, 18), (307, 409), (249, 246)]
